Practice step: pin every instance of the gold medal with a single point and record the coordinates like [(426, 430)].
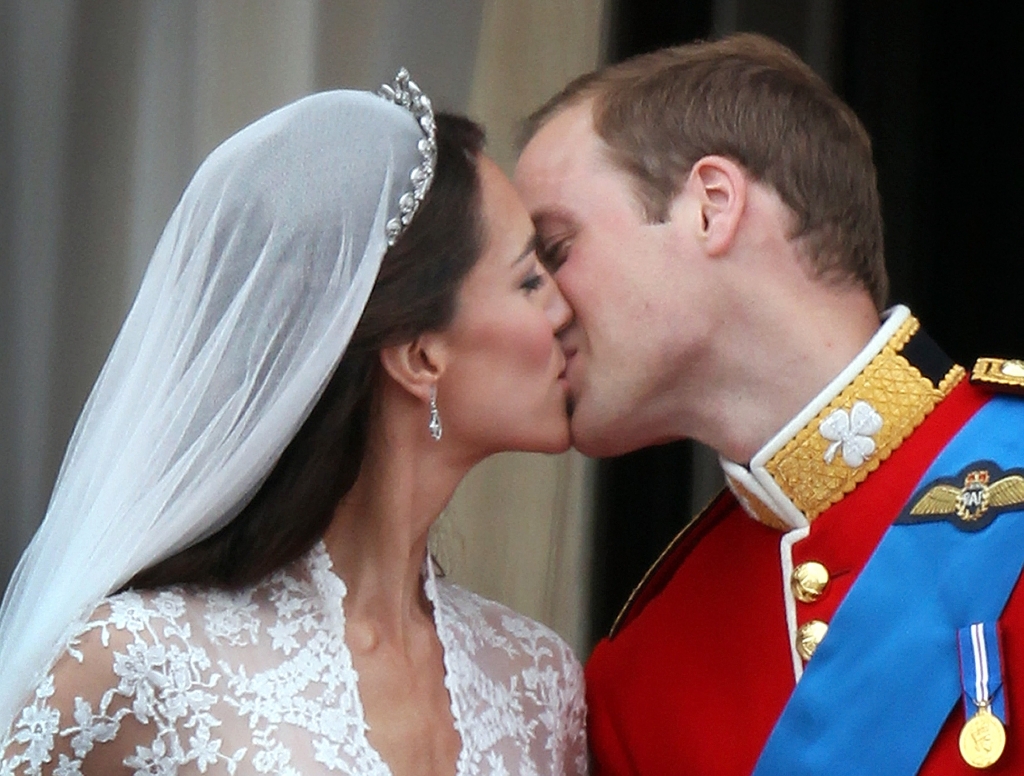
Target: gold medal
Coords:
[(982, 739)]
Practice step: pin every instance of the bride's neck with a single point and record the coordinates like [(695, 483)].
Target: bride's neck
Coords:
[(377, 539)]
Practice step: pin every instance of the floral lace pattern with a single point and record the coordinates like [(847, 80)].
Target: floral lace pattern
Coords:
[(261, 681)]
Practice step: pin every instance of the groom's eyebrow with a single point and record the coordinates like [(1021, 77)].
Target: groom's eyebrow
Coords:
[(531, 247)]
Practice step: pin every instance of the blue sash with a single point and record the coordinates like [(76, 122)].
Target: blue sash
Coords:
[(885, 678)]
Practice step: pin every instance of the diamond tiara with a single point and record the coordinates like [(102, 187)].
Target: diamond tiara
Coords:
[(406, 93)]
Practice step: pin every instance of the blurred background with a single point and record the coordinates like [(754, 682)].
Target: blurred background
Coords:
[(108, 106)]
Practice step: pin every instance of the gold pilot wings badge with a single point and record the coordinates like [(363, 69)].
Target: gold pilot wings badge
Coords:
[(971, 500), (1005, 375)]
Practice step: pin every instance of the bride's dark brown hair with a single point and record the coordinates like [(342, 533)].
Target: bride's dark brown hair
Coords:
[(415, 291)]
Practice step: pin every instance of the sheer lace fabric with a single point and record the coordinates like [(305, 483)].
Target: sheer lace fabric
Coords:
[(261, 681)]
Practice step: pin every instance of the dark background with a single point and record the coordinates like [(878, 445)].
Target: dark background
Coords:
[(936, 84)]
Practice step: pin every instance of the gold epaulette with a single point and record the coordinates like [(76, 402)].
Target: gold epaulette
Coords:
[(1005, 375)]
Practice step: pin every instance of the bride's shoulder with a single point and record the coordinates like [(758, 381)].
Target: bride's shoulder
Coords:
[(123, 629), (123, 618), (133, 630), (149, 616)]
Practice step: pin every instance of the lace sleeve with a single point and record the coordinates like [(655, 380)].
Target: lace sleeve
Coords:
[(82, 718)]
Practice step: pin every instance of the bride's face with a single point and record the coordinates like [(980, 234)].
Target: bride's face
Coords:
[(504, 387)]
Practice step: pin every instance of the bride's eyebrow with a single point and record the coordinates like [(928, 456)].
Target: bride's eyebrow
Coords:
[(531, 246)]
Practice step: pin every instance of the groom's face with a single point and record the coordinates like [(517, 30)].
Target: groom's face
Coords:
[(612, 266)]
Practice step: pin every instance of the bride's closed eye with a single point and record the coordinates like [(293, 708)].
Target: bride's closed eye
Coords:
[(532, 281)]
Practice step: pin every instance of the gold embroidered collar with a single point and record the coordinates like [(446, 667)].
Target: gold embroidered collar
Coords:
[(846, 432)]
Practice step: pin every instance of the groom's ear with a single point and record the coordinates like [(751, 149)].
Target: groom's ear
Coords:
[(416, 365), (719, 188)]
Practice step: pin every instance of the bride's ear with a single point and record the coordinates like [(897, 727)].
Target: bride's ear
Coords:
[(416, 365)]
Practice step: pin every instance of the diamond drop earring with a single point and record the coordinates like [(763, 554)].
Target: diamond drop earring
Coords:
[(435, 417)]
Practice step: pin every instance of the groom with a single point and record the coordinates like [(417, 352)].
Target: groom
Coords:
[(847, 605)]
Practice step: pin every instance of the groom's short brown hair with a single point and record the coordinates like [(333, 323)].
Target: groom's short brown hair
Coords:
[(753, 100)]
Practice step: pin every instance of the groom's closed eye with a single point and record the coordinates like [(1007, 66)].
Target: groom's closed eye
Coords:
[(552, 254)]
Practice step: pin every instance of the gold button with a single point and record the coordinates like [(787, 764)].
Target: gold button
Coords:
[(809, 581), (809, 636)]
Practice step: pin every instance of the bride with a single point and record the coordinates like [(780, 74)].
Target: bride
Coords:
[(344, 314)]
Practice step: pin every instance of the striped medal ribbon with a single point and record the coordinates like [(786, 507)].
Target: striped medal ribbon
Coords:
[(983, 737)]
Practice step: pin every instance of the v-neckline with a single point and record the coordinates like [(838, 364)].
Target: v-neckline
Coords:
[(333, 588)]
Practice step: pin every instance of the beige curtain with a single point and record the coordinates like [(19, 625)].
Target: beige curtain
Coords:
[(107, 107)]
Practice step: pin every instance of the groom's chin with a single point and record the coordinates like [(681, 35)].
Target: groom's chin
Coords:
[(585, 440), (598, 435)]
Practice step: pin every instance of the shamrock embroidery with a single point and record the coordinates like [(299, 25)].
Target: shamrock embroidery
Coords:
[(851, 431)]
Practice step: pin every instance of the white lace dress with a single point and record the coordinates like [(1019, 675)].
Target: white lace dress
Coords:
[(261, 681)]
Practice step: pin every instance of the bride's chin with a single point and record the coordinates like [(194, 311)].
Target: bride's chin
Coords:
[(561, 440), (563, 444), (553, 438)]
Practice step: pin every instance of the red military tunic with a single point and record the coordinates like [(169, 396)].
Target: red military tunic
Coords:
[(704, 658)]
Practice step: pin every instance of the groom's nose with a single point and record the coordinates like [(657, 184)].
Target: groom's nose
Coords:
[(556, 308)]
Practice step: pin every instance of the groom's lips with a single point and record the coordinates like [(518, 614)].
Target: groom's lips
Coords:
[(568, 353)]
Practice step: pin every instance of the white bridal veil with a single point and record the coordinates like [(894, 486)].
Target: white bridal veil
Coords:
[(249, 301)]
